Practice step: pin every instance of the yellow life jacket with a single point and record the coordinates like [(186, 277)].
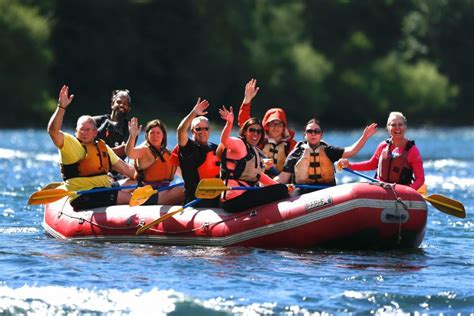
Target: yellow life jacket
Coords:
[(314, 166), (96, 162), (277, 152)]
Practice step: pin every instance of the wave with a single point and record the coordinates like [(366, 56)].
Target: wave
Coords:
[(54, 300)]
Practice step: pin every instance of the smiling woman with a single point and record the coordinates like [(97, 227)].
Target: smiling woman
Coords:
[(312, 161), (152, 161), (397, 159), (242, 165)]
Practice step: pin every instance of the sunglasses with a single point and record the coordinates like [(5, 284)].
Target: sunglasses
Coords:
[(255, 130), (275, 124), (198, 129), (314, 131)]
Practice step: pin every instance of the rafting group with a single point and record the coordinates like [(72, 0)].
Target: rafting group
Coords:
[(264, 161)]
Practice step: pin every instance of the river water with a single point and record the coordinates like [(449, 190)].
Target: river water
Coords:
[(42, 275)]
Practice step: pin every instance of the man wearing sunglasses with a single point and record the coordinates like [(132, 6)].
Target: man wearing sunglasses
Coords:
[(196, 157), (312, 160)]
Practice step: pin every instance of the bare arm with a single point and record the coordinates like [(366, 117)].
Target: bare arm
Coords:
[(283, 177), (228, 116), (369, 131), (56, 120), (198, 110), (133, 130), (124, 168)]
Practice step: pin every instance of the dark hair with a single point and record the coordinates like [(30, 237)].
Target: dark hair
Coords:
[(116, 93), (245, 126), (313, 120), (156, 123)]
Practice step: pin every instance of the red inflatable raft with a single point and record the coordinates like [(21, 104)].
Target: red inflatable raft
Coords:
[(357, 216)]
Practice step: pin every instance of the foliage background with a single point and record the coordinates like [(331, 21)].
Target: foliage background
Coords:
[(346, 62)]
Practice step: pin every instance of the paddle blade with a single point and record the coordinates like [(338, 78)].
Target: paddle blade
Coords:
[(447, 205), (141, 230), (141, 195), (48, 196), (210, 188), (52, 185)]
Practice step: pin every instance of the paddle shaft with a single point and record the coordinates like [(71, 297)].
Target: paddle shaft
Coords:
[(450, 208), (166, 216), (164, 188)]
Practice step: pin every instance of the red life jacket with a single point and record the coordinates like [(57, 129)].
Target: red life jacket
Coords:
[(395, 169)]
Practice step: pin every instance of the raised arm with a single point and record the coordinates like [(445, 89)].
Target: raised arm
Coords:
[(56, 120), (198, 110), (369, 131), (133, 130), (228, 116), (251, 91)]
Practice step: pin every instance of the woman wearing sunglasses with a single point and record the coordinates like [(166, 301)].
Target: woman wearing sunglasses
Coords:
[(242, 165), (312, 160), (152, 161), (396, 159), (278, 138)]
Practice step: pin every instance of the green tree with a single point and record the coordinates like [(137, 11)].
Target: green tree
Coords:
[(25, 59)]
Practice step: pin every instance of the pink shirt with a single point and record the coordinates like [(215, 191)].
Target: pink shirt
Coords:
[(413, 158)]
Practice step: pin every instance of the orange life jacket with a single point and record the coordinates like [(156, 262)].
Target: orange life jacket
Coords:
[(96, 162), (210, 168), (160, 170)]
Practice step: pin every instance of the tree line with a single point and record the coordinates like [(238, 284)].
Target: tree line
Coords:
[(346, 62)]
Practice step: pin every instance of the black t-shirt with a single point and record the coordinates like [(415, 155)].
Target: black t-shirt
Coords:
[(333, 153), (113, 133)]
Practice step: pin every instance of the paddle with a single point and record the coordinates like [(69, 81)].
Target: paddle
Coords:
[(207, 189), (52, 195), (46, 195), (142, 194), (166, 216), (441, 202), (211, 188)]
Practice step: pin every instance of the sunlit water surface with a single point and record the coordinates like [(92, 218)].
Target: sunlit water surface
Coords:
[(42, 275)]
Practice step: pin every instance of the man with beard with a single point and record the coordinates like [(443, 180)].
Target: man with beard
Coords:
[(113, 128)]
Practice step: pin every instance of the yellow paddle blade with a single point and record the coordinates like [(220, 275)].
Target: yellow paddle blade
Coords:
[(141, 195), (210, 188), (447, 205), (48, 196), (159, 220)]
